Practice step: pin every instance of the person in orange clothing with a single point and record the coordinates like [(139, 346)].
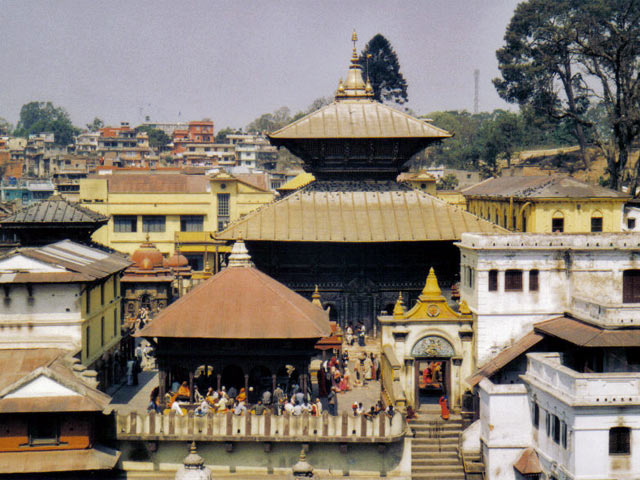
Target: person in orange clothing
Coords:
[(444, 407), (184, 393), (242, 396)]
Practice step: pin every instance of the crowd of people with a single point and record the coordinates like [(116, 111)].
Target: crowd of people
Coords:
[(347, 373)]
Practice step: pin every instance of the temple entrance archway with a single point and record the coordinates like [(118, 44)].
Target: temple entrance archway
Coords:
[(432, 366)]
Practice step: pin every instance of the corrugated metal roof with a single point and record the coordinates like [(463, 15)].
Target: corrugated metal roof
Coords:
[(539, 186), (97, 458), (164, 183), (54, 210), (240, 303), (298, 181), (587, 335), (357, 212), (83, 264), (358, 119), (505, 357)]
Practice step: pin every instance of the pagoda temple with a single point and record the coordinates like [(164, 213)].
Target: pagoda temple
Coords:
[(356, 232)]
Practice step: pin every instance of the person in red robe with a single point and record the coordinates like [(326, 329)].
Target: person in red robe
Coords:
[(444, 407)]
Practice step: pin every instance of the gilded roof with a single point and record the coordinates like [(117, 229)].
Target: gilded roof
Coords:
[(539, 186), (54, 210), (361, 119), (297, 182), (364, 211), (240, 302)]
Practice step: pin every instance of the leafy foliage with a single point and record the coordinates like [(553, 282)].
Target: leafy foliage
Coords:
[(96, 125), (381, 61), (5, 127), (44, 117), (158, 139), (448, 182)]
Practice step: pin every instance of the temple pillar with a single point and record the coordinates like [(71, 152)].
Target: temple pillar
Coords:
[(219, 378), (162, 379), (246, 384), (191, 384), (273, 382)]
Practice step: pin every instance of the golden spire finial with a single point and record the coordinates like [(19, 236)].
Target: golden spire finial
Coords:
[(464, 308), (398, 309), (354, 38), (431, 288), (340, 86), (316, 297)]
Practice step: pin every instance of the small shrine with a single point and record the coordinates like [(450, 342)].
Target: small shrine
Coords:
[(239, 328), (433, 344)]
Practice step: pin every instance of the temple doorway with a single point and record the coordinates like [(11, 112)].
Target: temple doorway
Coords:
[(233, 376), (432, 366)]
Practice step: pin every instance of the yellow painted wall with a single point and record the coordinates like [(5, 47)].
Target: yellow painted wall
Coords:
[(94, 195), (109, 309), (577, 213)]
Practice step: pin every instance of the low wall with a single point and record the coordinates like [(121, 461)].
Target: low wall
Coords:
[(228, 427)]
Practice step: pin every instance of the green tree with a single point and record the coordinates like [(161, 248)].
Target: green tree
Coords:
[(270, 122), (562, 55), (381, 65), (96, 125), (448, 182), (501, 138), (221, 136), (44, 117), (5, 127), (539, 68), (157, 138)]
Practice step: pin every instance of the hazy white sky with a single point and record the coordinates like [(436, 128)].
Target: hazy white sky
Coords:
[(234, 60)]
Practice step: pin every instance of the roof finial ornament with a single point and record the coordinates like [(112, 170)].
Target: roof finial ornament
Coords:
[(239, 256), (431, 288), (398, 309), (354, 55), (316, 298)]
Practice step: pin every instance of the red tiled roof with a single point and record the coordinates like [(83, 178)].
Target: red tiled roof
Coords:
[(240, 303), (165, 183)]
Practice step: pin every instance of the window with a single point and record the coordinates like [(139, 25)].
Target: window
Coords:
[(115, 287), (556, 429), (631, 286), (596, 224), (493, 280), (223, 204), (196, 261), (619, 441), (513, 281), (88, 296), (153, 223), (469, 276), (547, 421), (191, 223), (533, 280), (557, 225), (536, 415), (564, 435), (102, 331), (125, 223), (115, 322), (102, 294), (631, 223), (44, 430), (87, 340)]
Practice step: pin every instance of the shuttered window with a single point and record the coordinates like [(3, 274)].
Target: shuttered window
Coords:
[(493, 280), (619, 441), (513, 281), (596, 224), (631, 286), (533, 281)]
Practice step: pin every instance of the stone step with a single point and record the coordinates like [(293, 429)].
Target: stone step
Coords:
[(420, 461), (434, 448), (435, 441), (437, 476), (437, 468)]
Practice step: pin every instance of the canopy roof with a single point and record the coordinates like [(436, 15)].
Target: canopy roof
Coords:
[(240, 302), (55, 210)]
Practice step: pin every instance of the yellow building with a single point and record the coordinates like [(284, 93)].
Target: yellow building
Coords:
[(174, 211), (545, 204), (421, 180)]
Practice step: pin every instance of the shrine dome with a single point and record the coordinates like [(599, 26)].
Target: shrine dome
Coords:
[(147, 256), (176, 261)]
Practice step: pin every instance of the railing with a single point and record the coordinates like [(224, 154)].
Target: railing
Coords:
[(228, 427), (583, 388), (390, 369), (606, 315)]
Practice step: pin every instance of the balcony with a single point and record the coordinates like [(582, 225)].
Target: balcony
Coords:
[(546, 371), (621, 315)]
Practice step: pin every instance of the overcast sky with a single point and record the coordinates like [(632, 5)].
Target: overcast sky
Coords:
[(234, 60)]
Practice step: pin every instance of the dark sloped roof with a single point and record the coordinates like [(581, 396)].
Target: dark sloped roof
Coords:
[(240, 303), (54, 210), (539, 186), (97, 458), (366, 211), (587, 335)]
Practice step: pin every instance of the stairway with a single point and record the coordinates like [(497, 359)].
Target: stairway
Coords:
[(434, 449)]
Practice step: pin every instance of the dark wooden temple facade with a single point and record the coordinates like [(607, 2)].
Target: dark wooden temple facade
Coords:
[(355, 232)]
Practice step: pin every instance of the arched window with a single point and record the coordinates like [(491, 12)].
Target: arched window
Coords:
[(596, 222), (557, 222)]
